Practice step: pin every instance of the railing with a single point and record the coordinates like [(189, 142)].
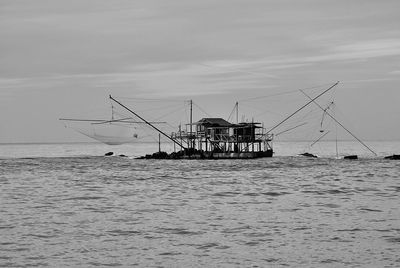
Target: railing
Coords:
[(183, 135), (258, 137)]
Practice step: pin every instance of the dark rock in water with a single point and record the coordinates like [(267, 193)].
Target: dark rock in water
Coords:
[(393, 157), (309, 155), (162, 155), (351, 157), (192, 153), (184, 154), (109, 154), (158, 155)]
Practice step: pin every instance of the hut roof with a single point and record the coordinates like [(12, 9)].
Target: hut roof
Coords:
[(215, 122)]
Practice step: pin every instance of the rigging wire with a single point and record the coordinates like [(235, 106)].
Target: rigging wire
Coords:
[(302, 107), (163, 115), (149, 99), (157, 108), (324, 113), (284, 93), (165, 107), (169, 113), (201, 109), (154, 127), (287, 130), (268, 96), (320, 138), (233, 110), (348, 131)]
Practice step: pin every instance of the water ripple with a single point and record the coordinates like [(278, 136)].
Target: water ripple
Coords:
[(121, 212)]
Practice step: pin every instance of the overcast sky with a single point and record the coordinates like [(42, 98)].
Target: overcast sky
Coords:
[(59, 58)]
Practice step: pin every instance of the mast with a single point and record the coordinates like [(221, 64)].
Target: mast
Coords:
[(147, 122), (191, 126), (302, 107), (334, 119), (159, 142), (237, 112), (336, 138)]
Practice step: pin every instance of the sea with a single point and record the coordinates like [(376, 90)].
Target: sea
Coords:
[(68, 205)]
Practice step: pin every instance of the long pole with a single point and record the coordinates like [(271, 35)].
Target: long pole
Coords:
[(302, 107), (340, 124), (147, 122)]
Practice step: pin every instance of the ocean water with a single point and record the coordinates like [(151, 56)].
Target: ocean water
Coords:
[(66, 205)]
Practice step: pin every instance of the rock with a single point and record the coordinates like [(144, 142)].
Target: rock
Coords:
[(393, 157), (351, 157), (309, 155)]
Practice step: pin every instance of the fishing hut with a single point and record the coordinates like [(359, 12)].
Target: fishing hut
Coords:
[(208, 138), (216, 138)]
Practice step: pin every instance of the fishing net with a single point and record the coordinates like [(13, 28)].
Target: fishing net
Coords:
[(111, 133), (134, 120)]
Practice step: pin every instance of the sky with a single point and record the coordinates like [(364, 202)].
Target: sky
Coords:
[(63, 58)]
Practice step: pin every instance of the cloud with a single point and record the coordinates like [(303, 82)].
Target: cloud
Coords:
[(354, 52), (395, 72), (362, 50), (369, 81), (79, 51)]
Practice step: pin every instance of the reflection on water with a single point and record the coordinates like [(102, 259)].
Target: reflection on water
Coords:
[(283, 211)]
